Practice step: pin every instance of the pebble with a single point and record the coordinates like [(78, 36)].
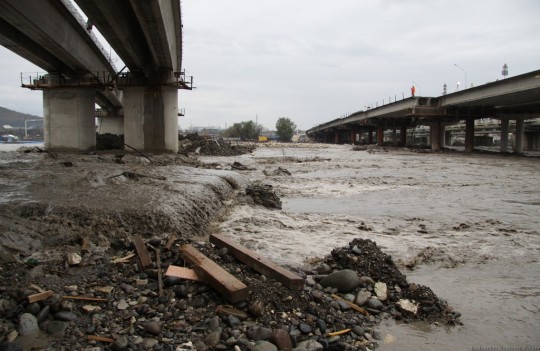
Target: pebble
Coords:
[(233, 321), (304, 328), (153, 327), (344, 306), (358, 330), (121, 343), (28, 324), (261, 333), (57, 328), (122, 305), (308, 345), (321, 325), (375, 304), (213, 323), (265, 346), (65, 316), (345, 280), (282, 340), (367, 280), (150, 343), (362, 297), (212, 339), (33, 308), (381, 291)]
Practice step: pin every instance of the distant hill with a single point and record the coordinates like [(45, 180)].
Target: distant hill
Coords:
[(14, 118)]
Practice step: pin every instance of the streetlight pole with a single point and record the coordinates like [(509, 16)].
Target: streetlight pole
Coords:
[(465, 73)]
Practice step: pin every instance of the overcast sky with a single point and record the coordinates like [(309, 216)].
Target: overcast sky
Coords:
[(313, 61)]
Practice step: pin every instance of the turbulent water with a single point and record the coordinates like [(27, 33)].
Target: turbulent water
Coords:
[(465, 225)]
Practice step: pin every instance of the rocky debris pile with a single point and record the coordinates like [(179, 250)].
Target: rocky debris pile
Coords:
[(109, 142), (263, 194), (280, 171), (394, 294), (194, 143), (108, 299)]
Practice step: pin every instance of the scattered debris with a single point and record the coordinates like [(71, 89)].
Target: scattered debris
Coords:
[(280, 171), (195, 143), (263, 194)]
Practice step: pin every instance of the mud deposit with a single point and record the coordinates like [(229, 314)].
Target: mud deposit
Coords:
[(464, 225)]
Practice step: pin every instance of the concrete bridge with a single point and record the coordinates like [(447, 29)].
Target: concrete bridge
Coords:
[(516, 98), (141, 100)]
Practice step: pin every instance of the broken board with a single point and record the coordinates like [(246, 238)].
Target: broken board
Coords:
[(226, 284), (259, 263), (142, 252), (182, 272)]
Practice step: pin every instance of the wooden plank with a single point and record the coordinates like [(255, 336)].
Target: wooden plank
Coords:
[(170, 242), (259, 263), (85, 298), (226, 284), (182, 272), (99, 338), (142, 252), (40, 296)]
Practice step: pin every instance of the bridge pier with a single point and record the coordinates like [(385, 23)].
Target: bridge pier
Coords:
[(380, 136), (505, 126), (394, 136), (435, 135), (469, 134), (520, 131), (69, 118), (403, 136), (151, 117)]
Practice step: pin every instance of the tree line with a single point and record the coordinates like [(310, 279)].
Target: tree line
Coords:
[(249, 130)]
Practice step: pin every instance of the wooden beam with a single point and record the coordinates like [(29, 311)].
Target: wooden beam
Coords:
[(142, 252), (182, 272), (259, 263), (226, 284), (40, 296)]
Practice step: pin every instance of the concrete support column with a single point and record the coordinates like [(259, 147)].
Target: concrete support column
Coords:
[(370, 137), (336, 137), (353, 136), (435, 135), (394, 136), (469, 135), (520, 129), (505, 126), (403, 136), (380, 135), (442, 136), (69, 118), (151, 118)]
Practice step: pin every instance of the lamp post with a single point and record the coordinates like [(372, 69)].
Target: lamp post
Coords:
[(465, 73), (505, 71)]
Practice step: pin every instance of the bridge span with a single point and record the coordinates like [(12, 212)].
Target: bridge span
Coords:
[(516, 98), (141, 99)]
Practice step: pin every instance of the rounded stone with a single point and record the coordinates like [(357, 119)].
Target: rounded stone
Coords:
[(362, 297), (282, 339), (260, 333), (57, 328), (28, 324), (304, 328), (265, 346), (121, 343), (33, 308), (345, 280), (309, 345), (65, 316), (153, 327), (375, 304)]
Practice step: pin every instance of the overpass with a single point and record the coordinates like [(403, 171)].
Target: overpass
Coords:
[(147, 35), (516, 98)]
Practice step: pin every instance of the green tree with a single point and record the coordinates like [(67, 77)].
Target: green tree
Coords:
[(245, 130), (285, 129)]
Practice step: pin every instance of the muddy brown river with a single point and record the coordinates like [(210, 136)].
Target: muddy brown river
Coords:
[(466, 225)]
